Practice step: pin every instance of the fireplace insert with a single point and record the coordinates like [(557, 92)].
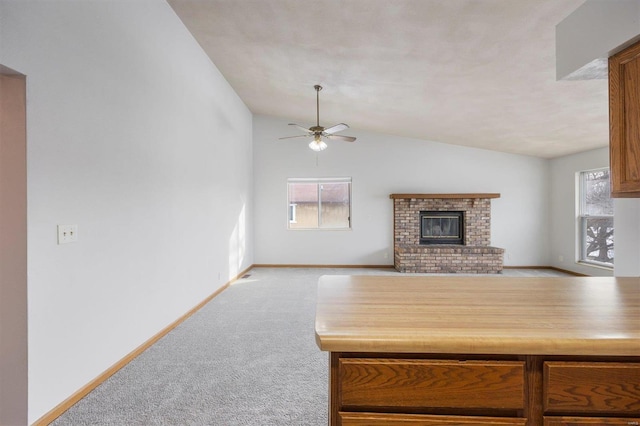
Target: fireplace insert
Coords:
[(442, 227)]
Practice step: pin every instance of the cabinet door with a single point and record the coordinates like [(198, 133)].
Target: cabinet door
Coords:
[(367, 383), (592, 388), (590, 421), (381, 419), (624, 122)]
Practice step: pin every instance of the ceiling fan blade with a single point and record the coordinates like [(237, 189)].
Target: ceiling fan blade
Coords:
[(297, 136), (304, 129), (341, 138), (335, 129)]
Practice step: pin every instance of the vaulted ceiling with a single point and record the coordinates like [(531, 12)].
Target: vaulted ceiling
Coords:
[(478, 73)]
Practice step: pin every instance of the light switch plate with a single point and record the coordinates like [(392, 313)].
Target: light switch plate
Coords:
[(67, 234)]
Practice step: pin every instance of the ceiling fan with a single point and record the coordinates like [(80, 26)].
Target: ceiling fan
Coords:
[(318, 132)]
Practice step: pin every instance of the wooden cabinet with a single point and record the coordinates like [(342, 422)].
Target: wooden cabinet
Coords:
[(415, 383), (449, 389), (481, 350), (417, 389), (592, 388), (624, 122), (377, 419), (591, 421)]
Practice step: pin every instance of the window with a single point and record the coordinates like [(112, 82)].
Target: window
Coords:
[(596, 218), (319, 203)]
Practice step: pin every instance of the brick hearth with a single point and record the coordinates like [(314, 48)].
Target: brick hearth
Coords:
[(474, 256)]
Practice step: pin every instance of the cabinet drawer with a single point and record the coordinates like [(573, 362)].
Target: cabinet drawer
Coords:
[(591, 387), (415, 383), (377, 419), (590, 421)]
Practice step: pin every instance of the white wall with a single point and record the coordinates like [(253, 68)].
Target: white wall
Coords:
[(584, 40), (593, 32), (626, 218), (134, 136), (564, 196), (381, 165), (627, 237)]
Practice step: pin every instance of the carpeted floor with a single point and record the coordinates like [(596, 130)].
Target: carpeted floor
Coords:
[(248, 357)]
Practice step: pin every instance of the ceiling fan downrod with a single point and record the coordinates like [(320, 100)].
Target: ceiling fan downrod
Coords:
[(318, 89)]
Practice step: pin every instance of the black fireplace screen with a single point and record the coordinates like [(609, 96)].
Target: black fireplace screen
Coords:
[(442, 227)]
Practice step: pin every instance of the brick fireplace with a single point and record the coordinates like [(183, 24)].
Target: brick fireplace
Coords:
[(415, 253)]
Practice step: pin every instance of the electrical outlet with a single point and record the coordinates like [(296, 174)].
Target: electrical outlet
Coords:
[(561, 258), (67, 234)]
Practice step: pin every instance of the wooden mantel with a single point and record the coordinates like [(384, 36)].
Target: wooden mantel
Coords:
[(424, 196)]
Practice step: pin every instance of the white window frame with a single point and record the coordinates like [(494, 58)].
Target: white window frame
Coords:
[(582, 221), (318, 181), (292, 212)]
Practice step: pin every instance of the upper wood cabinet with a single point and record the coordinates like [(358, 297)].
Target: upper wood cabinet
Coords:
[(624, 122)]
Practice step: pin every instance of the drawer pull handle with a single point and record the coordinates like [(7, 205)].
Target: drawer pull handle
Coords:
[(632, 423)]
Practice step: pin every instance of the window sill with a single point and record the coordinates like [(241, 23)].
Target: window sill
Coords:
[(595, 265), (319, 229)]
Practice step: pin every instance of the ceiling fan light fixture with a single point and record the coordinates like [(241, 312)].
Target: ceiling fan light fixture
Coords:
[(317, 145)]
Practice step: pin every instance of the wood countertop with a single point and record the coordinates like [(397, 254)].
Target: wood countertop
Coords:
[(479, 315)]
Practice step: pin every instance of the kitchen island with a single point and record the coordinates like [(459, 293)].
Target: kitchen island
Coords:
[(417, 350)]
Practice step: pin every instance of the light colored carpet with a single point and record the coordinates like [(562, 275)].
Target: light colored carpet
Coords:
[(248, 357)]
